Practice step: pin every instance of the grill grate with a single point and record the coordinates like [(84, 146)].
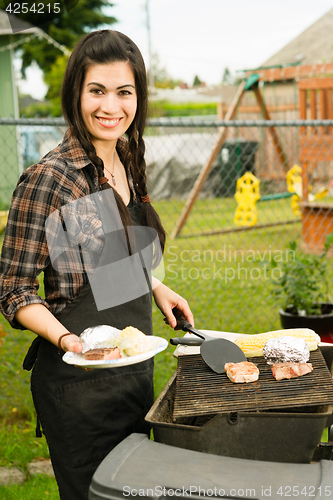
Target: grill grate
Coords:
[(200, 391)]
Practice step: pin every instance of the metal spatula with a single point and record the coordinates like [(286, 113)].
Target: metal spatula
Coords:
[(216, 352)]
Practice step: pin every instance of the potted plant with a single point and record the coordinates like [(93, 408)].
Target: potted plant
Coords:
[(303, 286)]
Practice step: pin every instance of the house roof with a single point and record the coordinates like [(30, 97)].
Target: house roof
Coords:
[(10, 24), (313, 46)]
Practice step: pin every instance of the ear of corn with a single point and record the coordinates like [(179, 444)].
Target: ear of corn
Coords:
[(252, 345)]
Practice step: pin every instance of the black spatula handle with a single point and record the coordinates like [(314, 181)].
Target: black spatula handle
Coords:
[(186, 341), (186, 326)]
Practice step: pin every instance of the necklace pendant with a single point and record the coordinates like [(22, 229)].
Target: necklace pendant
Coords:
[(113, 179)]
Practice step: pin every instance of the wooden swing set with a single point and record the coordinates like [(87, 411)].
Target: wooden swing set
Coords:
[(319, 145), (316, 100)]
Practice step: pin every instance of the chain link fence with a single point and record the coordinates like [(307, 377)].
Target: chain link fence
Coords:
[(231, 196)]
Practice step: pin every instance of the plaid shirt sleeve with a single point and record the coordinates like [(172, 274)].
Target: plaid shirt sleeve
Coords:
[(24, 251)]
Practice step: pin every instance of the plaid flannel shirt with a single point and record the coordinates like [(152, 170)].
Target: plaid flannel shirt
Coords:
[(41, 190)]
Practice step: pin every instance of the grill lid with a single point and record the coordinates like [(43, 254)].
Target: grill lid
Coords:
[(200, 391)]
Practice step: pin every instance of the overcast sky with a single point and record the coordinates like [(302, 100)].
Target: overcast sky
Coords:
[(202, 37)]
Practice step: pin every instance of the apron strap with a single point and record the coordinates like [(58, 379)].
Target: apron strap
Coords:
[(39, 433), (89, 180), (31, 355)]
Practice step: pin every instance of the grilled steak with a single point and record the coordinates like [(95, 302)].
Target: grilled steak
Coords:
[(241, 373), (106, 353), (290, 370)]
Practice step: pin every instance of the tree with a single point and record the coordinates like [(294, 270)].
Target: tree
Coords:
[(162, 79), (227, 77), (53, 80), (66, 29), (196, 81)]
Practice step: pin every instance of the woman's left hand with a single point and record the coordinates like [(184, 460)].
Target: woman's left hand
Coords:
[(166, 300)]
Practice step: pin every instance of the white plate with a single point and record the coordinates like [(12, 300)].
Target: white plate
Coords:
[(158, 344)]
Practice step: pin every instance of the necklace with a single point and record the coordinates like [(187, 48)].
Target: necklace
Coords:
[(112, 174), (112, 177)]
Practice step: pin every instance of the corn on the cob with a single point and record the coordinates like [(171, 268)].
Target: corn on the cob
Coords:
[(252, 345)]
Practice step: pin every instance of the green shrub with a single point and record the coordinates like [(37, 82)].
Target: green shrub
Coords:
[(170, 109), (304, 283)]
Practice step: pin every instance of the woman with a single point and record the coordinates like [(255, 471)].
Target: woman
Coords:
[(84, 414)]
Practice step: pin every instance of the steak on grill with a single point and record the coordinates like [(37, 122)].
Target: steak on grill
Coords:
[(290, 370), (242, 372)]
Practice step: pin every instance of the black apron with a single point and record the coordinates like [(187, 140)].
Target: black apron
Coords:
[(85, 414)]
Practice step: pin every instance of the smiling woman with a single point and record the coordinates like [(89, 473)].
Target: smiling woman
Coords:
[(108, 102), (108, 107), (94, 184)]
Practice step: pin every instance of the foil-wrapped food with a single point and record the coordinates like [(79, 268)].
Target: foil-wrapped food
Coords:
[(99, 337), (286, 350)]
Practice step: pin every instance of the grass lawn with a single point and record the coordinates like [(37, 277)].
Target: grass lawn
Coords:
[(19, 447), (34, 488), (218, 214)]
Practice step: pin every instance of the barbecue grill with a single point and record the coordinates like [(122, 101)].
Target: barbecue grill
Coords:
[(197, 456), (280, 421)]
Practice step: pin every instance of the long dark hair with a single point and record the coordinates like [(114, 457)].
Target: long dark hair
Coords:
[(103, 47)]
